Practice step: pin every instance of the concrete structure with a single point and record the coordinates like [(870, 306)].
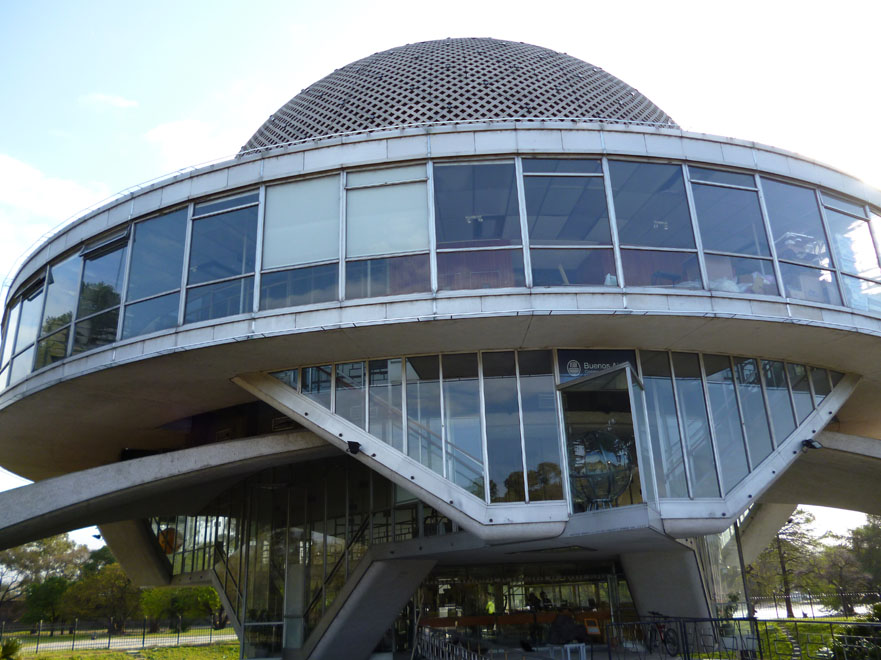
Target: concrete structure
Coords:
[(468, 319)]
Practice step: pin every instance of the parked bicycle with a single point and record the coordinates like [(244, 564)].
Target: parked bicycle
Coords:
[(662, 631)]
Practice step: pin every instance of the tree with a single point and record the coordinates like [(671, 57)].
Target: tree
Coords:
[(98, 559), (837, 567), (865, 543), (43, 601), (56, 556), (180, 603), (107, 594)]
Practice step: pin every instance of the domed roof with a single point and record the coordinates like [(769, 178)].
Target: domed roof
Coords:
[(455, 80)]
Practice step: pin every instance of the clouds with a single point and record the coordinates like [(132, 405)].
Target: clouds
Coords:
[(103, 101)]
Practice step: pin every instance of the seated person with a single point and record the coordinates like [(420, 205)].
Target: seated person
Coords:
[(565, 630)]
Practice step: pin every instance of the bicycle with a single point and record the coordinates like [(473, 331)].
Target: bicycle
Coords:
[(663, 631)]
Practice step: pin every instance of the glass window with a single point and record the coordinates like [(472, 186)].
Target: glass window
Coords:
[(693, 406), (9, 337), (663, 424), (61, 294), (317, 384), (741, 275), (854, 248), (650, 205), (95, 331), (541, 430), (384, 176), (223, 245), (386, 220), (21, 365), (350, 392), (302, 222), (384, 402), (503, 449), (226, 203), (810, 284), (29, 318), (801, 390), (779, 402), (51, 349), (102, 282), (424, 441), (573, 267), (563, 165), (476, 205), (795, 223), (215, 301), (290, 377), (387, 277), (730, 220), (566, 210), (864, 295), (462, 422), (301, 286), (755, 416), (157, 255), (150, 315), (726, 421), (843, 204), (820, 381), (480, 269), (721, 176), (661, 269)]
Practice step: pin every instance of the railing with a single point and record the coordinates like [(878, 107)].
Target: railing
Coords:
[(439, 645), (839, 604)]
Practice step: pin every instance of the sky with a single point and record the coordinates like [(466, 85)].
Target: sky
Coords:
[(103, 95)]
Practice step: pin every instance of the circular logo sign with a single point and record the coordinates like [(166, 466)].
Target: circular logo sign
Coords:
[(574, 368)]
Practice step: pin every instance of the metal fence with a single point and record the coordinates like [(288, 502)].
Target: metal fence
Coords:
[(810, 605), (109, 634)]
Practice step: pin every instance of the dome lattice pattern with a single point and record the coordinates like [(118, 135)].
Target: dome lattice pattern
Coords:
[(455, 80)]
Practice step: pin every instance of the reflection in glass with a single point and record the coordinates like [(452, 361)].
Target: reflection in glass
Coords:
[(386, 175), (741, 275), (663, 424), (755, 417), (482, 269), (29, 318), (801, 390), (810, 284), (424, 441), (730, 220), (566, 210), (503, 449), (301, 286), (721, 176), (52, 348), (795, 223), (843, 204), (540, 425), (61, 294), (562, 165), (102, 282), (317, 383), (9, 334), (350, 392), (854, 248), (864, 295), (661, 269), (699, 448), (150, 315), (726, 421), (573, 267), (464, 448), (779, 402), (476, 205), (226, 203), (21, 365), (302, 222), (391, 276), (223, 245), (820, 382), (650, 205), (95, 331), (217, 300), (290, 377), (387, 220), (157, 255), (384, 401)]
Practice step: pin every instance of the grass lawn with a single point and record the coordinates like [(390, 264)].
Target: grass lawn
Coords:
[(216, 652)]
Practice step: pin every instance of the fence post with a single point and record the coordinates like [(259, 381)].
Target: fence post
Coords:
[(180, 624), (2, 629), (39, 630), (210, 631), (76, 625), (144, 634), (109, 632)]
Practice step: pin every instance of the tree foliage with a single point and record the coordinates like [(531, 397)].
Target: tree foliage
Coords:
[(865, 543), (33, 563), (107, 594)]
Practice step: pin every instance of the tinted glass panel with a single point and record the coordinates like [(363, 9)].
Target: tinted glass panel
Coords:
[(150, 315), (317, 384), (384, 401), (302, 222), (218, 300), (223, 245), (387, 220), (573, 267), (29, 319), (102, 282), (290, 377), (650, 205), (95, 331), (854, 248), (350, 392), (566, 210), (481, 269), (864, 295), (720, 176), (663, 424), (462, 422), (661, 269), (228, 203), (476, 205), (157, 255), (388, 175), (782, 417), (567, 165), (701, 462), (810, 284), (741, 275), (52, 349), (9, 337), (755, 416), (61, 294), (843, 204), (730, 220), (801, 390), (424, 441), (503, 450), (387, 277), (21, 365), (726, 421), (541, 435), (795, 223), (301, 286), (820, 382)]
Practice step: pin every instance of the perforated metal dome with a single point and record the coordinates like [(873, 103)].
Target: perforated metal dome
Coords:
[(455, 80)]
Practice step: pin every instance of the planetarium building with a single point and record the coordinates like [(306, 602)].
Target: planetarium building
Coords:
[(468, 331)]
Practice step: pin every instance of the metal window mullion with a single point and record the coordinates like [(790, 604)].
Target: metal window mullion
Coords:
[(696, 230), (769, 418), (76, 307), (226, 210), (432, 235), (636, 419), (524, 229), (561, 431), (872, 232), (365, 384), (580, 175), (483, 441), (740, 412), (718, 184), (648, 433), (405, 431), (613, 222), (791, 394), (711, 422), (522, 429), (324, 543), (443, 419), (683, 438), (347, 514), (366, 186), (123, 294), (333, 387), (341, 264), (834, 266), (810, 378), (188, 243), (772, 244), (258, 258)]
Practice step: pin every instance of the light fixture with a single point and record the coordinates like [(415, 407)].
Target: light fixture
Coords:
[(354, 447)]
